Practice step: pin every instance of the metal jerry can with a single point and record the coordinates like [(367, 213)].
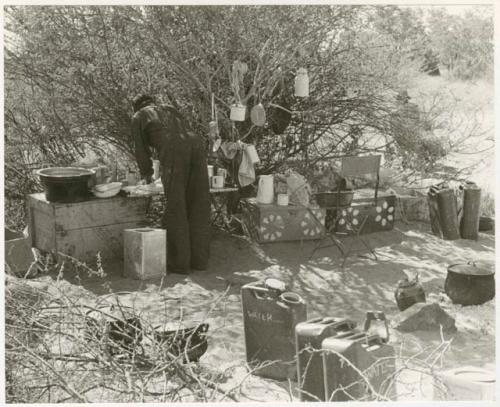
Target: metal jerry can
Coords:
[(347, 354), (270, 314), (308, 338)]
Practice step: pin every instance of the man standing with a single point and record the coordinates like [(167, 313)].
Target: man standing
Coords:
[(183, 166)]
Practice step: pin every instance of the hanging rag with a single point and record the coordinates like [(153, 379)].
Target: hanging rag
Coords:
[(230, 148), (246, 172)]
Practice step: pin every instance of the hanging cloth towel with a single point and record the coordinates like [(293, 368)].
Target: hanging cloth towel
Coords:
[(246, 172), (230, 148)]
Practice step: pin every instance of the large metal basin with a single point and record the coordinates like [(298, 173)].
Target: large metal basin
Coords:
[(66, 184)]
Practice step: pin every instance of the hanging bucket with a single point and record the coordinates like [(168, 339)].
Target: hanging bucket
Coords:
[(238, 112), (302, 83)]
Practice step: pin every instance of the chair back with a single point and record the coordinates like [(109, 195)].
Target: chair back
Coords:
[(358, 166)]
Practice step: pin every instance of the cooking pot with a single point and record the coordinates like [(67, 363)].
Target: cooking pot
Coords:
[(116, 327), (65, 184), (470, 283)]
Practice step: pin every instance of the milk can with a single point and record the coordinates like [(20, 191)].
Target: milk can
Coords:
[(270, 314)]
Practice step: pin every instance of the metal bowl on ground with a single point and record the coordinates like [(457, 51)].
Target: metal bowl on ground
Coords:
[(65, 184), (470, 283), (336, 198)]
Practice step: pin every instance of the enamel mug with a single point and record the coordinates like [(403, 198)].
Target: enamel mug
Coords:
[(217, 181), (222, 172)]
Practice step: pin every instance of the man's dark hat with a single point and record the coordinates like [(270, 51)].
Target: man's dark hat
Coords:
[(142, 100)]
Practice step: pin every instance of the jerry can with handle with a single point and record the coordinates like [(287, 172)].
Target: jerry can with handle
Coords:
[(270, 314), (308, 338), (348, 354)]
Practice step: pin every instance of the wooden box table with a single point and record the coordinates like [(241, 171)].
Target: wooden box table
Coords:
[(273, 223), (83, 229)]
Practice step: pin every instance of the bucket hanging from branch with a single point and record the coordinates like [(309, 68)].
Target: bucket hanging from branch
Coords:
[(238, 110), (258, 114), (302, 83)]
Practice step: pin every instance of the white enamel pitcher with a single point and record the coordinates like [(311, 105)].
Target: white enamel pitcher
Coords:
[(265, 191)]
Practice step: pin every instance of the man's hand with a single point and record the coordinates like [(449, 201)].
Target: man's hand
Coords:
[(146, 181)]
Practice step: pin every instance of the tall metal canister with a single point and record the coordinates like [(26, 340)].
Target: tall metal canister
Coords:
[(469, 225), (270, 314), (448, 214), (308, 338)]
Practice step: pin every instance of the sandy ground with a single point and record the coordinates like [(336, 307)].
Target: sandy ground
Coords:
[(363, 285)]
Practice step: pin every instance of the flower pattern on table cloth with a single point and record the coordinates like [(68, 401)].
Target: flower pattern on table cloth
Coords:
[(309, 225), (272, 227), (349, 218), (385, 214)]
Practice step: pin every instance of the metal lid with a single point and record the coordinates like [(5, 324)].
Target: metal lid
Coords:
[(475, 375), (275, 284), (64, 172), (472, 269), (405, 283), (291, 298)]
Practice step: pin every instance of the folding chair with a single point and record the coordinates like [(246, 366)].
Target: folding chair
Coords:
[(352, 167)]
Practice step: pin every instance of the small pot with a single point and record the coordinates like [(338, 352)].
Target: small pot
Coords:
[(118, 328), (408, 293), (470, 283)]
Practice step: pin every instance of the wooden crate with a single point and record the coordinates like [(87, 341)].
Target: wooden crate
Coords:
[(380, 217), (83, 229), (274, 223)]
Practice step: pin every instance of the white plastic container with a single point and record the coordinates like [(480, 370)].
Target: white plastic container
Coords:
[(265, 192), (467, 383), (145, 253)]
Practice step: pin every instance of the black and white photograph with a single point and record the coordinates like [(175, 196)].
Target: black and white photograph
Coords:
[(238, 202)]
